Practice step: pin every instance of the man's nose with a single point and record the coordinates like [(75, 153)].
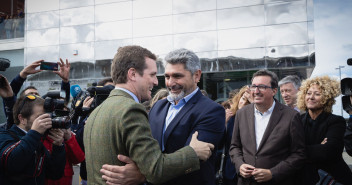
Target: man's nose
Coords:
[(256, 90), (171, 81)]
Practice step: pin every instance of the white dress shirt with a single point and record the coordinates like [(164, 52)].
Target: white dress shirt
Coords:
[(261, 122)]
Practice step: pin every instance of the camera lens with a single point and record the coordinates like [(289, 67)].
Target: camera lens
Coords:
[(61, 122)]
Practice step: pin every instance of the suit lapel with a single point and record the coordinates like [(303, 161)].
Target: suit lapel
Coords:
[(251, 125), (273, 121), (158, 126), (180, 114)]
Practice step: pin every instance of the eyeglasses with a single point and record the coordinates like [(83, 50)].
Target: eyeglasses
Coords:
[(260, 87), (27, 98)]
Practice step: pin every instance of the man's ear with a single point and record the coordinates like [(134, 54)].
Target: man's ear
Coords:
[(197, 75), (131, 74), (275, 91), (21, 118)]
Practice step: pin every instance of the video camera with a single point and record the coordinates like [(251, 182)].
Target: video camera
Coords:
[(100, 93), (346, 90), (54, 104)]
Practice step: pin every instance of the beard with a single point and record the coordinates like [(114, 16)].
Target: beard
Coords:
[(28, 126), (174, 96)]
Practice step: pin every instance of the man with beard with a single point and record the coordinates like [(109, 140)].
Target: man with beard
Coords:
[(289, 87), (120, 125), (185, 110), (24, 158), (268, 139)]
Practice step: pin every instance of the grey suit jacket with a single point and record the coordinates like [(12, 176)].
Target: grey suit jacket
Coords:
[(120, 126), (281, 149)]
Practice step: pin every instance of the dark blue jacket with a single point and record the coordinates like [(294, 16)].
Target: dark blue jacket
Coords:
[(27, 160), (229, 168), (199, 114), (16, 85)]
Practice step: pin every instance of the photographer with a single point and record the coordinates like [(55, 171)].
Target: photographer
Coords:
[(79, 130), (348, 133), (24, 159), (74, 155), (18, 81)]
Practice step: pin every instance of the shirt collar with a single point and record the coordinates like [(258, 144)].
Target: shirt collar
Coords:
[(269, 111), (186, 98), (129, 92), (21, 129)]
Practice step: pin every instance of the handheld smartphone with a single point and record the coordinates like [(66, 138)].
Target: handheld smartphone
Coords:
[(52, 66)]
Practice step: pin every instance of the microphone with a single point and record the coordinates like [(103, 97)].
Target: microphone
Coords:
[(349, 61), (75, 90)]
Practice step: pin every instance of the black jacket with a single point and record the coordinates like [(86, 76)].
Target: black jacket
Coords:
[(348, 137), (328, 156), (25, 160)]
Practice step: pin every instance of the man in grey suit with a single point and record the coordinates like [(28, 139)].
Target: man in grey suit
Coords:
[(268, 140), (120, 125)]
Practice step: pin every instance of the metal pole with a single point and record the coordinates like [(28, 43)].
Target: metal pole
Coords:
[(339, 68)]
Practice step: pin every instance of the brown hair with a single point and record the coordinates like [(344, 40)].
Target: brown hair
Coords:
[(329, 88), (29, 87), (104, 81), (129, 57), (236, 99), (27, 107)]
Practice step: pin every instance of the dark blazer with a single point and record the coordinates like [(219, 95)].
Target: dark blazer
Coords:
[(229, 168), (199, 114), (281, 149), (328, 156)]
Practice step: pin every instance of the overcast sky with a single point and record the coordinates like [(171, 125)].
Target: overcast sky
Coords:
[(333, 40)]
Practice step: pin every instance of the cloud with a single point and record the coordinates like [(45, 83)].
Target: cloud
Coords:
[(333, 43)]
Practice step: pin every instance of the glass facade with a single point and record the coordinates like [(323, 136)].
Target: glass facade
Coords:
[(232, 38)]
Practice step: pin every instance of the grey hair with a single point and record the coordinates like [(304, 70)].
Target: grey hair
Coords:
[(295, 80), (184, 56)]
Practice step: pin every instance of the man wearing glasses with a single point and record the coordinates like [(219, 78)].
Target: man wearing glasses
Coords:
[(24, 159), (268, 140)]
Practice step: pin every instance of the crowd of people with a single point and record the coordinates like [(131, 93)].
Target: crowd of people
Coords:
[(178, 136), (12, 26)]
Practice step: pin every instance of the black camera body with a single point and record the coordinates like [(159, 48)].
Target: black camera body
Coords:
[(346, 90), (4, 64), (54, 104), (100, 93), (346, 86)]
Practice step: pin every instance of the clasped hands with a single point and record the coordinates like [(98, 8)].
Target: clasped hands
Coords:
[(259, 174)]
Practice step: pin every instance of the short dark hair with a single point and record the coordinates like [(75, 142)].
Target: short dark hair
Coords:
[(129, 57), (25, 89), (263, 72), (26, 107), (104, 81)]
